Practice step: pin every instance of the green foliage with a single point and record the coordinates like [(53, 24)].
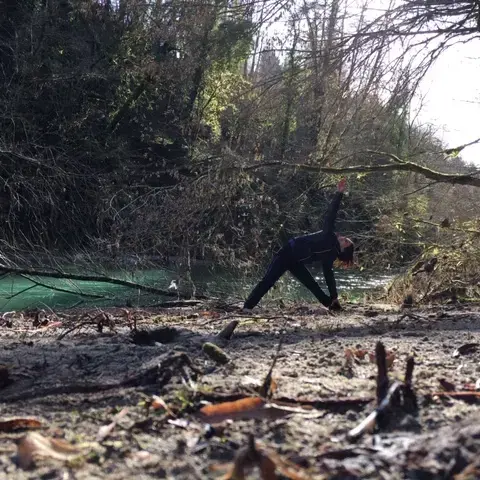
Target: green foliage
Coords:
[(232, 41), (219, 94)]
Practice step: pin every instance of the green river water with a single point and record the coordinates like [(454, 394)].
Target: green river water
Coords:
[(18, 293)]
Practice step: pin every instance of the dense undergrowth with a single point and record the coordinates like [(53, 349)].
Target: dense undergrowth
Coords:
[(446, 273)]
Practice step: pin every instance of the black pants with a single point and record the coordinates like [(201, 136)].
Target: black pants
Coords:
[(282, 262)]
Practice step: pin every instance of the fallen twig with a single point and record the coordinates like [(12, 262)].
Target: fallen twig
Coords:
[(19, 423), (34, 445), (408, 315), (329, 403), (227, 332), (466, 396), (75, 327), (178, 304), (266, 389)]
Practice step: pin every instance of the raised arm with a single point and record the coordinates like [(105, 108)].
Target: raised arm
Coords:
[(331, 214)]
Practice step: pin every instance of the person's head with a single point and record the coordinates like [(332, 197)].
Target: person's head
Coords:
[(346, 250)]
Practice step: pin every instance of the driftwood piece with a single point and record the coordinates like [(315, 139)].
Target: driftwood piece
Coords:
[(409, 371), (227, 332), (395, 400), (382, 375)]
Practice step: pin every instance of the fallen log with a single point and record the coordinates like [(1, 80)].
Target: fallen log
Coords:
[(5, 270)]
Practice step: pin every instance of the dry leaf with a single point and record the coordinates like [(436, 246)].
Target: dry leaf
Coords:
[(51, 325), (207, 313), (141, 459), (446, 385), (158, 402), (465, 349), (106, 430), (390, 357), (34, 445), (357, 353), (242, 408), (360, 353), (246, 459), (13, 424), (288, 469), (141, 455), (247, 408), (266, 460)]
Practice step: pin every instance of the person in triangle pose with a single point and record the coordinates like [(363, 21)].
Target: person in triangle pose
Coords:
[(324, 246)]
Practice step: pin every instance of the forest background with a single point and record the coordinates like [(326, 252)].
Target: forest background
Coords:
[(214, 130)]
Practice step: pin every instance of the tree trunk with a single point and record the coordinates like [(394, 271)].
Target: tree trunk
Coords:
[(202, 62), (290, 99)]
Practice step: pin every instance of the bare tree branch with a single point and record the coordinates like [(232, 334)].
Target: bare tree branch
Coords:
[(400, 165)]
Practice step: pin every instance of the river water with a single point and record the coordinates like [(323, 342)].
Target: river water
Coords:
[(19, 293)]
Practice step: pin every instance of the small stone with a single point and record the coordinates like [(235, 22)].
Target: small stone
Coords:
[(409, 422), (215, 353), (181, 446), (351, 416)]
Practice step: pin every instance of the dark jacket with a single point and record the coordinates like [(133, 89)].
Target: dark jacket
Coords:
[(321, 246)]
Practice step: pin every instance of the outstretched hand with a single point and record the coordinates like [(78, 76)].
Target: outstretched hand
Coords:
[(342, 185)]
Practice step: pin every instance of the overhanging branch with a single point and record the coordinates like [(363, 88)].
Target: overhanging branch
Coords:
[(399, 165)]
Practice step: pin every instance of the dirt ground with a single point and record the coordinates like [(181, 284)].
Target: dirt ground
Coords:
[(75, 370)]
